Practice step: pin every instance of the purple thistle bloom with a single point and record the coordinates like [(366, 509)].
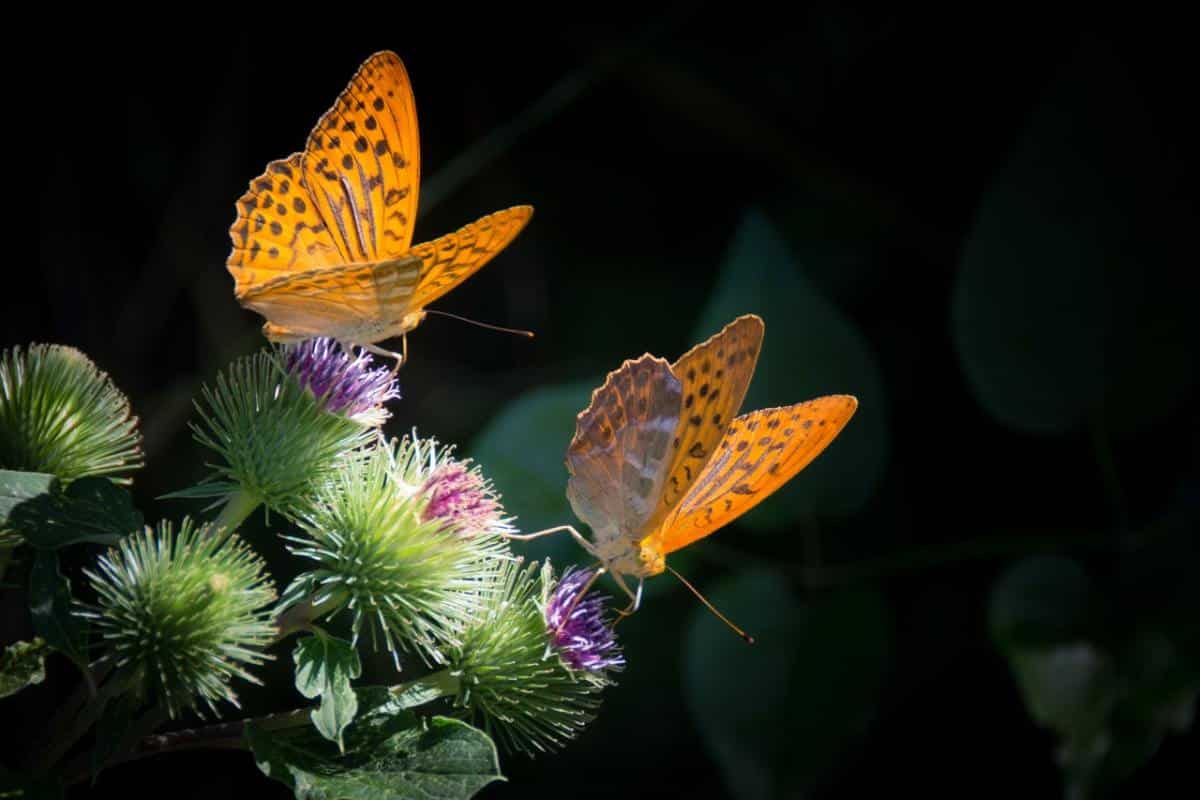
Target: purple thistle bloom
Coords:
[(347, 384), (462, 498), (584, 640)]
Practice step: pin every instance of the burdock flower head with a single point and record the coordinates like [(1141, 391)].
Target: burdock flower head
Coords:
[(403, 576), (579, 631), (515, 668), (347, 385), (183, 614), (451, 491), (60, 415), (283, 420)]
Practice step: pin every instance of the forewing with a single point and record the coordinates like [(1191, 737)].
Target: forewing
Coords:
[(619, 456), (362, 163), (762, 451), (449, 260), (278, 230), (714, 378)]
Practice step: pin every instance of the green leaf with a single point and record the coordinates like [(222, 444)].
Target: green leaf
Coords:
[(112, 728), (809, 349), (522, 450), (91, 509), (1042, 600), (325, 666), (389, 755), (1072, 302), (22, 664), (51, 608), (777, 715)]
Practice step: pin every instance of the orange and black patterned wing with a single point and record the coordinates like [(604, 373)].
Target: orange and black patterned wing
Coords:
[(762, 451), (714, 378), (362, 163), (449, 260), (355, 302), (278, 231), (619, 456)]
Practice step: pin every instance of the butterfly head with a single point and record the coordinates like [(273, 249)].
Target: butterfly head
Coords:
[(654, 561), (411, 320)]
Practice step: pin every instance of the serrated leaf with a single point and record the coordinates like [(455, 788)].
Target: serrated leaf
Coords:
[(22, 664), (388, 756), (325, 667), (50, 605), (91, 509)]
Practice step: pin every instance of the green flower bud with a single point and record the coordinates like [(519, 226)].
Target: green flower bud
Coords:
[(61, 415), (407, 579), (183, 614), (275, 438), (512, 679)]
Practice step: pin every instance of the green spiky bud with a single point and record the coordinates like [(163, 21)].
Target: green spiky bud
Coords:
[(512, 679), (408, 580), (183, 614), (274, 436), (61, 415)]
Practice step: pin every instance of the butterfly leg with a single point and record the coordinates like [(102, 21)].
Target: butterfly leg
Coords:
[(528, 537), (401, 357)]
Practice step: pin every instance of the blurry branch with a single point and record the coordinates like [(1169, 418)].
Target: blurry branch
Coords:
[(944, 555), (608, 59)]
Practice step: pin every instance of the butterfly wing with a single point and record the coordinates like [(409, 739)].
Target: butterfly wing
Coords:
[(278, 230), (362, 163), (345, 302), (621, 450), (714, 377), (449, 260), (762, 451)]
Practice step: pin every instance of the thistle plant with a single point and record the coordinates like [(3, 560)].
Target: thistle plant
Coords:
[(519, 666), (182, 614), (399, 541), (282, 421), (409, 578), (61, 415)]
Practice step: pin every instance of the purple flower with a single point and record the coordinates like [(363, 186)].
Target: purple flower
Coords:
[(460, 496), (578, 630), (347, 384)]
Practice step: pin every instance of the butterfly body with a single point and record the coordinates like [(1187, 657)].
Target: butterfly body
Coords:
[(322, 243), (660, 458)]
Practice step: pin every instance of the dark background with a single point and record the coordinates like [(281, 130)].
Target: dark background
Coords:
[(977, 224)]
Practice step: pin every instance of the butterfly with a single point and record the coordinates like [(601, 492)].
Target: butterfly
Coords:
[(660, 458), (322, 239)]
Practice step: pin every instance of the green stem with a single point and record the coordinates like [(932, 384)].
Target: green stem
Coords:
[(237, 508), (301, 616), (443, 683), (231, 735)]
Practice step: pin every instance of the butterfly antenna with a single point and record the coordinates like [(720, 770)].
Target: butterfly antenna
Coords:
[(516, 331), (745, 636)]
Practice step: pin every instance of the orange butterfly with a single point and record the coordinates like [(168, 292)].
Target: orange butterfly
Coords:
[(321, 244), (659, 459)]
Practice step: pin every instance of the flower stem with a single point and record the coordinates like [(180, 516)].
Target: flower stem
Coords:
[(237, 508), (300, 616), (230, 735)]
